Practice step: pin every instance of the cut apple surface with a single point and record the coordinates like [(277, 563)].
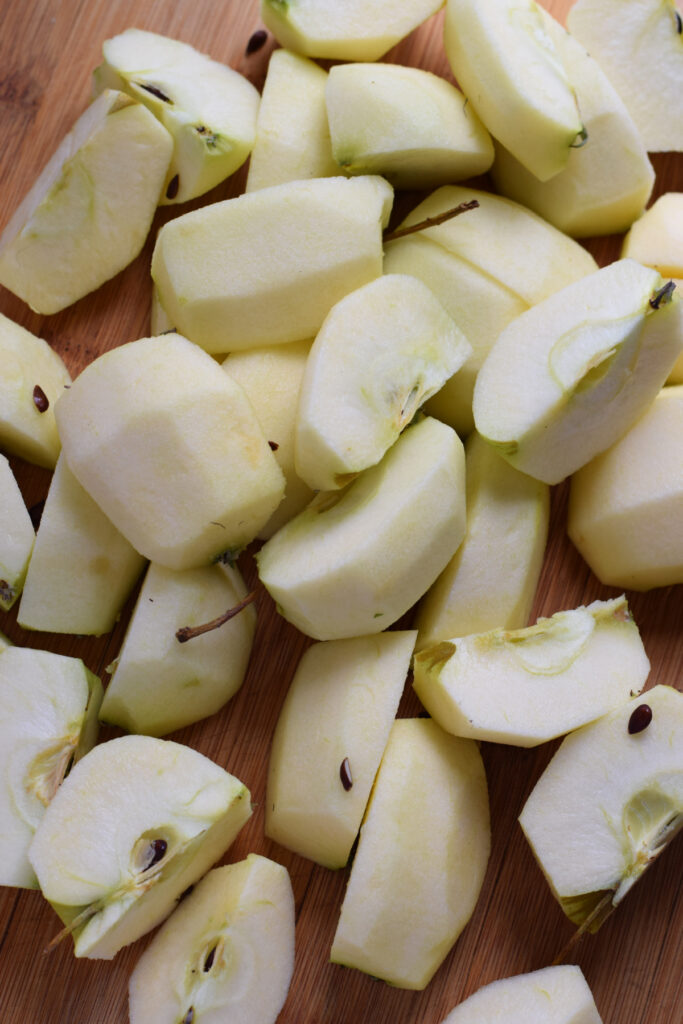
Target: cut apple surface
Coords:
[(89, 212), (421, 857), (319, 779), (527, 686), (226, 953), (16, 537), (48, 719), (608, 803), (553, 995), (137, 821)]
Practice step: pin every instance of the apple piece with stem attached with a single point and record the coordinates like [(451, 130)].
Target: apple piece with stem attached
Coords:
[(421, 857), (48, 719), (88, 215), (553, 995), (527, 686), (32, 379), (16, 537), (227, 952), (381, 352), (82, 569), (569, 377), (208, 109), (135, 823), (319, 779)]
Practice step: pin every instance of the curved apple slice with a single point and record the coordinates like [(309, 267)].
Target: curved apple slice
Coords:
[(553, 995)]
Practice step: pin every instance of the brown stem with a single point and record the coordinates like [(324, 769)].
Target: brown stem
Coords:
[(583, 928), (431, 222), (189, 632)]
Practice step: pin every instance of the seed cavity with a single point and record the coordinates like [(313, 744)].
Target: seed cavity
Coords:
[(157, 851), (210, 957), (189, 1016), (258, 40), (664, 295), (40, 399), (155, 91), (640, 719), (345, 774), (273, 445), (173, 185)]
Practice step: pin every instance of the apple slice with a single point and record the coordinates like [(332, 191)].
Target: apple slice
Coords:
[(567, 379), (136, 822), (639, 46), (553, 995), (16, 537), (160, 684), (354, 30), (491, 579), (381, 352), (246, 295), (527, 686), (507, 66), (169, 447), (608, 803), (32, 379), (48, 719), (421, 857), (355, 560), (209, 109), (82, 569), (227, 952), (626, 506), (292, 133), (88, 215), (160, 322), (319, 780)]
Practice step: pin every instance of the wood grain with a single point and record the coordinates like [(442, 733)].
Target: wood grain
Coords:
[(47, 51)]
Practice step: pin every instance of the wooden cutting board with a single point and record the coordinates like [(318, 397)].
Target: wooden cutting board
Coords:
[(48, 49)]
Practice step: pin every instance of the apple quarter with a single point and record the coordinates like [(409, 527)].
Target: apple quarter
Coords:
[(527, 686), (16, 537), (319, 779), (553, 995)]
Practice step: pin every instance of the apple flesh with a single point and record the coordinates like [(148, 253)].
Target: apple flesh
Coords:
[(48, 718), (227, 952), (527, 686), (88, 215), (319, 779), (16, 537), (553, 995), (421, 857), (135, 823)]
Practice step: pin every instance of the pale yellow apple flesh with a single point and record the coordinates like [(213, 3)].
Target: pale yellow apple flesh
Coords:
[(553, 995), (16, 537)]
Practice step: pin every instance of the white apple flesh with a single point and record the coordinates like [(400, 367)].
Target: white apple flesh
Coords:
[(553, 995), (16, 537)]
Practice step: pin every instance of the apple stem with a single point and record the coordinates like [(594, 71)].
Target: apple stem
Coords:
[(431, 222), (189, 632), (583, 928)]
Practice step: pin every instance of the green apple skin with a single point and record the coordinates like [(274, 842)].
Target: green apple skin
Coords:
[(491, 580), (158, 684), (421, 857), (227, 952), (89, 213), (208, 109), (381, 352), (607, 805), (351, 689), (292, 133), (16, 537), (353, 30), (91, 851), (630, 42), (527, 686), (170, 448), (625, 506), (607, 181), (82, 569), (412, 127), (506, 64), (271, 378), (48, 713), (246, 294), (27, 362), (553, 995), (355, 560), (570, 376)]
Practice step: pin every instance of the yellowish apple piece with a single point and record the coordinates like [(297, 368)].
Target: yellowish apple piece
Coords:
[(16, 537), (553, 995)]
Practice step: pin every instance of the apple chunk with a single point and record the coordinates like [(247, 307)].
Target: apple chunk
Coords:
[(16, 537), (608, 803), (553, 995), (136, 822)]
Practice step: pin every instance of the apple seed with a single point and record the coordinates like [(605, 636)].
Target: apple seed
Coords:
[(640, 719), (258, 39), (40, 399), (345, 774)]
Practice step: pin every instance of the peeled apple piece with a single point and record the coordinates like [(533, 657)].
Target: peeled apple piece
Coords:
[(506, 64), (169, 447), (527, 686), (566, 379), (89, 213), (355, 560), (208, 109), (16, 537), (553, 995), (226, 953), (267, 267)]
